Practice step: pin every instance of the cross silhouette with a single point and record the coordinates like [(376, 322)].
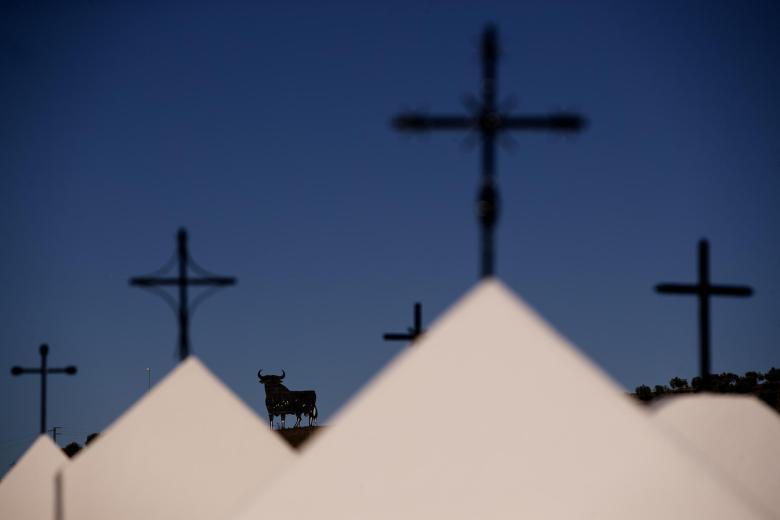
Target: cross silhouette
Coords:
[(414, 332), (704, 290), (183, 282), (44, 371), (489, 121)]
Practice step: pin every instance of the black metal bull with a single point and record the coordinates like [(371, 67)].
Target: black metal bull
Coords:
[(281, 401)]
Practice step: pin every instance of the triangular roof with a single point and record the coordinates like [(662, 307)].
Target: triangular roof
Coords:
[(188, 449), (27, 491), (738, 434), (492, 414)]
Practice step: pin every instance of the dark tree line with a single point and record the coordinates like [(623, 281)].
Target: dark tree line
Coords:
[(765, 386), (74, 447)]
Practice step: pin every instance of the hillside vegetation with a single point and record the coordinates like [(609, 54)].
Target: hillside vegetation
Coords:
[(765, 386)]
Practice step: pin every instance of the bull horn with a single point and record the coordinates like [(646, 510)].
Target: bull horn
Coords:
[(282, 374), (259, 373)]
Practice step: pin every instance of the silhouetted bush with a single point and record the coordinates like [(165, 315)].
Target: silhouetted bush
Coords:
[(72, 449), (644, 393), (662, 390), (764, 386)]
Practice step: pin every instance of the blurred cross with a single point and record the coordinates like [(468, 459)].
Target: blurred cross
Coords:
[(53, 431), (414, 332), (44, 371), (704, 290), (183, 281), (489, 121)]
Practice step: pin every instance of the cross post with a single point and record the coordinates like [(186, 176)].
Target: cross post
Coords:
[(44, 371), (413, 332), (489, 121), (183, 281), (54, 433), (704, 290)]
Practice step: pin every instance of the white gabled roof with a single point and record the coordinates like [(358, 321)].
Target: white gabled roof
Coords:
[(27, 491), (492, 414), (738, 434), (188, 449)]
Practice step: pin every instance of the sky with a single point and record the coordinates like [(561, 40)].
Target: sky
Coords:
[(263, 128)]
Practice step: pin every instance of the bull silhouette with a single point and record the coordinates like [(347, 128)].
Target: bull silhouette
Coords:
[(281, 401)]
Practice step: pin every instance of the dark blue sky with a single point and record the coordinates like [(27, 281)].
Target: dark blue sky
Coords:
[(265, 130)]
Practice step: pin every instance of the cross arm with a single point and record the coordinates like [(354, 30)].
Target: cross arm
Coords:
[(557, 122), (210, 280), (677, 288), (19, 370), (150, 282), (70, 370), (419, 122), (398, 337), (731, 290)]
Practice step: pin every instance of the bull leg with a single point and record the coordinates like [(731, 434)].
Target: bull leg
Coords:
[(283, 417), (297, 420)]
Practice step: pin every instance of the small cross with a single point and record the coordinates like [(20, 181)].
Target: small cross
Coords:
[(183, 281), (414, 332), (704, 290), (44, 371), (489, 121), (53, 431)]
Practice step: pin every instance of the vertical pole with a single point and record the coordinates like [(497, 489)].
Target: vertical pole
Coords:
[(417, 318), (704, 313), (487, 211), (489, 55), (44, 351), (487, 204), (184, 341)]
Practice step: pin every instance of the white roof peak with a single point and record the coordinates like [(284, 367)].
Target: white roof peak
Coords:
[(27, 490), (493, 414), (189, 448), (738, 434)]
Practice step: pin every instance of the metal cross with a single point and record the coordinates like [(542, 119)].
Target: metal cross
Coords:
[(183, 281), (489, 121), (44, 371), (704, 290), (414, 332), (53, 431)]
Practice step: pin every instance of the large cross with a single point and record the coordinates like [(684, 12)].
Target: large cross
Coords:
[(44, 371), (489, 121), (183, 282), (704, 290), (414, 332)]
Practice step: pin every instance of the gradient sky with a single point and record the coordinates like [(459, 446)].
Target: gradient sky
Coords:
[(264, 129)]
